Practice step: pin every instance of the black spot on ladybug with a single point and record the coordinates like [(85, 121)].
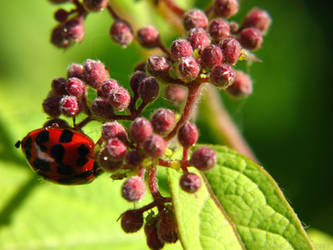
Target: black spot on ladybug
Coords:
[(84, 174), (57, 152), (43, 148), (41, 164), (42, 137), (83, 150), (66, 181), (27, 148), (65, 169), (66, 136), (81, 161)]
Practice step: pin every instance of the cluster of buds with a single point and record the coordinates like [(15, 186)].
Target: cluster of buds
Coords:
[(212, 47)]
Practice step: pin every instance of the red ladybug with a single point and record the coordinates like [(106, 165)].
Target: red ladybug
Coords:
[(59, 155)]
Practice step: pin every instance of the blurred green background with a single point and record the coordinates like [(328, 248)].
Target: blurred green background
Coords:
[(286, 120)]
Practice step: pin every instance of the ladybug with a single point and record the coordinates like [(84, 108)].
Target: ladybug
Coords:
[(60, 155)]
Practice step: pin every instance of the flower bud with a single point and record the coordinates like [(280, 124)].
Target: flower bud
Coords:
[(148, 37), (242, 86), (187, 69), (152, 239), (176, 94), (59, 86), (56, 123), (181, 48), (120, 99), (106, 162), (75, 87), (190, 182), (61, 15), (132, 220), (198, 38), (51, 106), (121, 33), (140, 129), (167, 229), (222, 75), (107, 88), (158, 66), (154, 146), (188, 134), (75, 70), (148, 89), (102, 107), (251, 38), (116, 149), (136, 80), (195, 19), (257, 18), (111, 130), (133, 158), (231, 50), (226, 8), (218, 29), (69, 106), (211, 56), (95, 73), (203, 158), (163, 121), (133, 189)]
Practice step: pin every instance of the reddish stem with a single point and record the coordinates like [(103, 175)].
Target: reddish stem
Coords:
[(163, 48), (193, 95), (174, 7), (163, 163), (112, 12), (152, 183)]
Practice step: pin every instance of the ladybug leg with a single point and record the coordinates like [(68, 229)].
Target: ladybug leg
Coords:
[(18, 144)]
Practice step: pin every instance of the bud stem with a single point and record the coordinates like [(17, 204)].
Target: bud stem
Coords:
[(174, 7)]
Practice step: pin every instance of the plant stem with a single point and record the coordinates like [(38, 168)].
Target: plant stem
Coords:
[(193, 96), (174, 7), (224, 125), (152, 183)]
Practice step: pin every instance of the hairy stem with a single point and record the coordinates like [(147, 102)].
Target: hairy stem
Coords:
[(174, 7), (192, 98)]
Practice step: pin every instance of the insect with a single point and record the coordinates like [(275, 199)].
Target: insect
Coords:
[(59, 155)]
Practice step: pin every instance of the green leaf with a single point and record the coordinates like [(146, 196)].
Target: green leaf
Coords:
[(255, 204), (320, 239), (202, 223)]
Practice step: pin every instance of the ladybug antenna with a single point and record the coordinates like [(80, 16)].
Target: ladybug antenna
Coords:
[(18, 144)]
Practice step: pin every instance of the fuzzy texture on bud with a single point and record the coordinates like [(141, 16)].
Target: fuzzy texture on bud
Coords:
[(226, 8), (66, 34), (69, 106), (231, 50), (136, 80), (121, 33), (120, 99), (198, 38), (188, 134), (148, 89), (59, 86), (158, 66), (154, 146), (116, 149), (187, 69), (140, 129), (222, 75), (176, 94), (148, 36), (181, 48), (152, 238), (75, 87), (218, 29), (113, 130), (95, 73), (190, 182), (132, 221), (133, 189), (106, 162), (257, 18), (75, 70), (211, 56), (102, 107), (203, 158), (107, 88), (242, 86), (195, 19), (95, 5), (51, 106), (251, 38), (163, 121)]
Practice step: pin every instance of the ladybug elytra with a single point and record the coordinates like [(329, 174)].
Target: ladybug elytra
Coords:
[(63, 156)]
